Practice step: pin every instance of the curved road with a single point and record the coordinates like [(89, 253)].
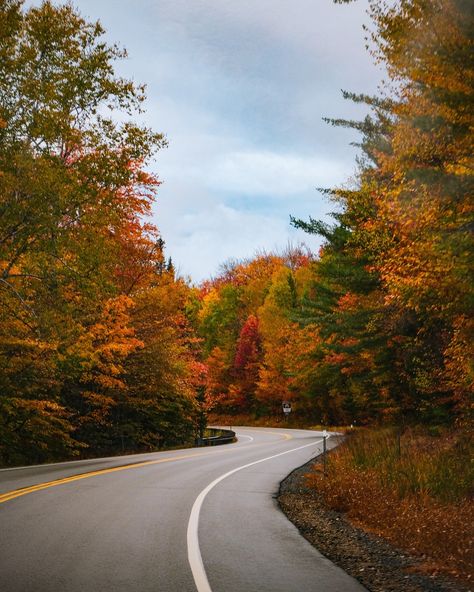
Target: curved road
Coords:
[(184, 520)]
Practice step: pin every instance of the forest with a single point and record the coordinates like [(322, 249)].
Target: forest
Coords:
[(105, 349)]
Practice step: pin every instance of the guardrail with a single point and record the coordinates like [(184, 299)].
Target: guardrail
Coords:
[(215, 437)]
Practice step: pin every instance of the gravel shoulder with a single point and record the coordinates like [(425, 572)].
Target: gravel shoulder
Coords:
[(370, 559)]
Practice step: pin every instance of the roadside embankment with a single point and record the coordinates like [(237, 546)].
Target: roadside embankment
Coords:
[(393, 511)]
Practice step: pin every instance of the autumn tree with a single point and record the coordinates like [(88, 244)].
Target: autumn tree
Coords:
[(245, 368), (428, 265), (76, 248), (245, 326), (406, 223), (277, 329), (158, 408)]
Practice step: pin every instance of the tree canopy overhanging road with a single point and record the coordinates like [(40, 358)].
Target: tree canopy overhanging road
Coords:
[(175, 521)]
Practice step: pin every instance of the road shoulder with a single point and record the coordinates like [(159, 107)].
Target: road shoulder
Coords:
[(370, 559)]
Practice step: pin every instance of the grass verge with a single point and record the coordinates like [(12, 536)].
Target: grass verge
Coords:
[(414, 489)]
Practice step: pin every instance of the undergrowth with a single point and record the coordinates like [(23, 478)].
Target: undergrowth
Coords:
[(414, 488), (293, 422)]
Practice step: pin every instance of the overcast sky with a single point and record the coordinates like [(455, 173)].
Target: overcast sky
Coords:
[(239, 87)]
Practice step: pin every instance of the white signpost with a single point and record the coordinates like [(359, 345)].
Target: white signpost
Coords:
[(325, 437), (286, 408)]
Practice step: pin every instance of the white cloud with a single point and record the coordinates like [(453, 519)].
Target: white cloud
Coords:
[(205, 239), (239, 87), (275, 175)]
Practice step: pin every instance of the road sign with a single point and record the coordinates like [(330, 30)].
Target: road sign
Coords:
[(286, 407)]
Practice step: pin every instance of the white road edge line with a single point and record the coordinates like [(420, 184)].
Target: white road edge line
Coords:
[(194, 552)]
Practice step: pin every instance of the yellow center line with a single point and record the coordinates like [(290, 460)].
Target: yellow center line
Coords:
[(285, 436), (25, 490)]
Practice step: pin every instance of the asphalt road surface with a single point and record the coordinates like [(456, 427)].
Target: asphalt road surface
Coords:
[(200, 519)]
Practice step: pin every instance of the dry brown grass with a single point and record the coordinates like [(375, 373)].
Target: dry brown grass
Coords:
[(420, 500)]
